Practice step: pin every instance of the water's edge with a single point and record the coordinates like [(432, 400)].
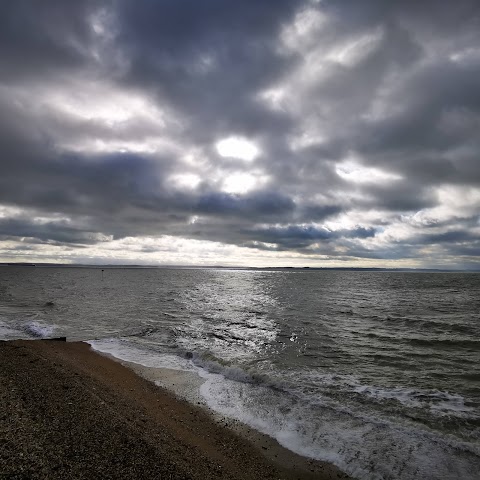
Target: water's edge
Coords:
[(186, 385)]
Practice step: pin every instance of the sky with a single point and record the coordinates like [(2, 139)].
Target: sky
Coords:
[(321, 133)]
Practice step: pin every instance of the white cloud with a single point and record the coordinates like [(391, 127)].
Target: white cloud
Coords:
[(185, 181), (354, 172), (102, 102), (356, 49), (301, 33)]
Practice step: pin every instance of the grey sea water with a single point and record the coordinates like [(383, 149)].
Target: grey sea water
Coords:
[(378, 372)]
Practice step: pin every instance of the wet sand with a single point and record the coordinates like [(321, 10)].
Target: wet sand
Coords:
[(70, 413)]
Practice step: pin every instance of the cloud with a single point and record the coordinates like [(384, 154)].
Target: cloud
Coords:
[(44, 40), (252, 132)]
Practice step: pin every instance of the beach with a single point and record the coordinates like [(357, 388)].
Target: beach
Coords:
[(374, 372), (68, 412)]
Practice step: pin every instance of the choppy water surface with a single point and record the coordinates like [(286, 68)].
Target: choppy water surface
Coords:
[(378, 372)]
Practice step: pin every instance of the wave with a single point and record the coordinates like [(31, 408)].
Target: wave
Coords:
[(438, 403), (22, 329), (368, 448), (427, 342), (39, 330), (435, 400), (446, 342), (10, 332), (212, 364), (146, 331), (422, 323)]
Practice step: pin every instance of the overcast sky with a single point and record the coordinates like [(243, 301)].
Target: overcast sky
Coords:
[(240, 132)]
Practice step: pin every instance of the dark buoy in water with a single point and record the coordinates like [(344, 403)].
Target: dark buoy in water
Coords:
[(102, 273), (49, 304)]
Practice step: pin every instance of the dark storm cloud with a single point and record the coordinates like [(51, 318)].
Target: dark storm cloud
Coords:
[(259, 204), (403, 196), (43, 38), (390, 87), (318, 213), (207, 59), (443, 117), (75, 183), (302, 236), (413, 137), (59, 232)]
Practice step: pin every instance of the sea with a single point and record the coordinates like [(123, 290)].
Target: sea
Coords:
[(377, 372)]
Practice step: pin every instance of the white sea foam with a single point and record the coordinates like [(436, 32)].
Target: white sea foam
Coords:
[(126, 351), (39, 330), (438, 402), (7, 332), (370, 450), (22, 329)]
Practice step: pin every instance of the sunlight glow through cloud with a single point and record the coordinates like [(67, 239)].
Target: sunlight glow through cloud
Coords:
[(242, 182), (237, 147)]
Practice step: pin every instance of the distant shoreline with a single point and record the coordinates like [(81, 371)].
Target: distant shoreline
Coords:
[(225, 267)]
